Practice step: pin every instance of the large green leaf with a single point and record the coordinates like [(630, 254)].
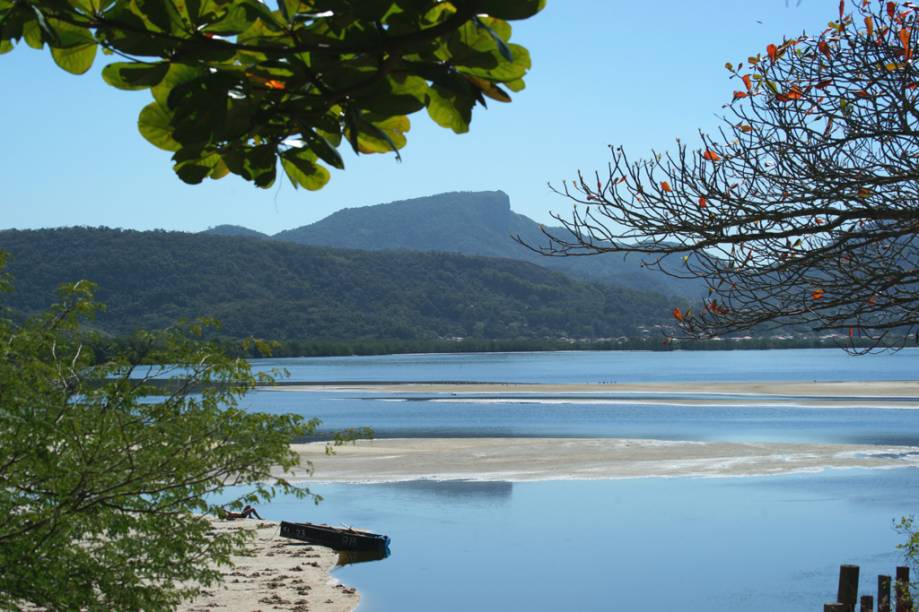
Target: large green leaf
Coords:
[(13, 20), (504, 70), (159, 14), (500, 39), (75, 60), (325, 151), (395, 96), (192, 173), (512, 9), (450, 106), (134, 75), (154, 124), (32, 34), (303, 171), (177, 74), (235, 20), (66, 35), (381, 136), (261, 165)]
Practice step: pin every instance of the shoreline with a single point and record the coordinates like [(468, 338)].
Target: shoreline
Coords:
[(277, 574), (541, 459), (793, 394)]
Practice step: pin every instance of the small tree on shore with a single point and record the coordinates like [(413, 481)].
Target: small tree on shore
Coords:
[(803, 208), (106, 469)]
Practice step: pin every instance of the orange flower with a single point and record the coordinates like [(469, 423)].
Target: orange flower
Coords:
[(678, 314), (710, 155), (771, 51), (274, 84)]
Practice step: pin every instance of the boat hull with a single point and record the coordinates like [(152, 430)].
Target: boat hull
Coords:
[(336, 538)]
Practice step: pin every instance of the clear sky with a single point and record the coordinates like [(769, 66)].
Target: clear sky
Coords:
[(630, 72)]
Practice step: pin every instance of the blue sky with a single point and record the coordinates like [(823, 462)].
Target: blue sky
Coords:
[(634, 73)]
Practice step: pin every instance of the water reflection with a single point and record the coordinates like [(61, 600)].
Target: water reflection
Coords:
[(466, 490), (351, 557)]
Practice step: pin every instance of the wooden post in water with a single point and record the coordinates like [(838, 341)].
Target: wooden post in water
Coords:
[(835, 607), (848, 586), (867, 603), (883, 593), (904, 600)]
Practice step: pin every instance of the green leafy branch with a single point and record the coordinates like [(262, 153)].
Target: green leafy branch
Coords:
[(239, 86)]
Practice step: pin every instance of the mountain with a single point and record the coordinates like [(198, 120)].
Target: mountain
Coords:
[(279, 290), (473, 223), (234, 230)]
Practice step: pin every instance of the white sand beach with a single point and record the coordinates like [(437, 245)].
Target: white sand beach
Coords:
[(279, 574)]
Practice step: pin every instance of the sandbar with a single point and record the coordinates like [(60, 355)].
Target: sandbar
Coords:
[(526, 459), (843, 394)]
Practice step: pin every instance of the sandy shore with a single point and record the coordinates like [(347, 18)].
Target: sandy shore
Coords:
[(881, 394), (279, 574), (520, 459)]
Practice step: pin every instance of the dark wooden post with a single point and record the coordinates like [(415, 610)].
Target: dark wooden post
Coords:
[(904, 600), (883, 593), (848, 586), (867, 603), (835, 607)]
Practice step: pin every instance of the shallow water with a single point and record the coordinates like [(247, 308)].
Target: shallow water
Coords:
[(756, 544), (759, 544), (406, 419)]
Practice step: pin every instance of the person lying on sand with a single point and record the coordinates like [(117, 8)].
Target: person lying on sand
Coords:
[(248, 512)]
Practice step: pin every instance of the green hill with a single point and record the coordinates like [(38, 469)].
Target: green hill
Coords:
[(278, 290)]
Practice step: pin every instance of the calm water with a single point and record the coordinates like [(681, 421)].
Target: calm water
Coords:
[(760, 544), (606, 366), (753, 544)]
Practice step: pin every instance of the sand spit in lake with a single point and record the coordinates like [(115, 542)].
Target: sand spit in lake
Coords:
[(873, 394), (521, 459)]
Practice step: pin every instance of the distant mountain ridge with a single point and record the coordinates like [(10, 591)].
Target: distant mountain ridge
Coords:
[(234, 230), (469, 223)]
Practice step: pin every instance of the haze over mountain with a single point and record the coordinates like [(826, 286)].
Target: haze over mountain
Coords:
[(279, 290), (470, 223)]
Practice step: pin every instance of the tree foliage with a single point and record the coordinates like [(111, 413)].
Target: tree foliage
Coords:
[(239, 86), (283, 291), (104, 476), (803, 208)]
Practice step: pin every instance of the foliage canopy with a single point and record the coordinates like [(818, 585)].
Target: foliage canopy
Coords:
[(104, 475), (238, 85), (804, 207), (282, 291)]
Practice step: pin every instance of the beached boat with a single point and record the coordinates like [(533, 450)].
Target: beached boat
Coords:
[(338, 538)]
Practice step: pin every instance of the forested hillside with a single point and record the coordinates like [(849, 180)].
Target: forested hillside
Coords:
[(279, 290)]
